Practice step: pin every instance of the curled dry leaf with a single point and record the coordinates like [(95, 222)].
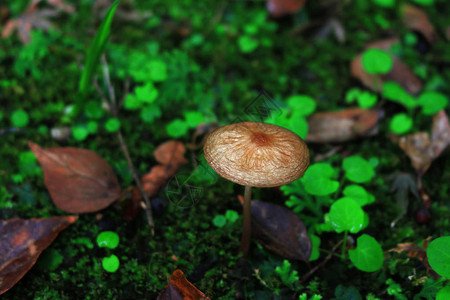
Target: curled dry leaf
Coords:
[(414, 251), (280, 230), (416, 19), (342, 126), (171, 157), (34, 18), (78, 180), (422, 149), (179, 288), (400, 73), (21, 243), (279, 8)]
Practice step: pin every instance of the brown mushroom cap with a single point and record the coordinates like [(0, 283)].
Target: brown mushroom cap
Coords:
[(256, 154)]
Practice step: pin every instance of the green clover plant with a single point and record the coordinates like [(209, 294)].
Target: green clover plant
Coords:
[(316, 191), (110, 240)]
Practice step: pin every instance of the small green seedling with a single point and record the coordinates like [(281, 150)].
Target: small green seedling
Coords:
[(80, 132), (247, 43), (377, 61), (432, 102), (318, 180), (111, 263), (358, 169), (368, 255), (110, 240), (112, 125), (346, 215), (221, 220), (288, 277), (179, 127), (365, 99), (438, 255), (293, 117), (401, 124), (19, 118), (443, 294)]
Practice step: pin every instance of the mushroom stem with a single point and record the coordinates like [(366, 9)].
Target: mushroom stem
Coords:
[(247, 225)]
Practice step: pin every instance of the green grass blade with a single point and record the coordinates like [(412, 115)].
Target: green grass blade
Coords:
[(95, 50)]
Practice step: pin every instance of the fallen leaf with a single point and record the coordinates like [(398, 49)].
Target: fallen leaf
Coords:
[(21, 243), (342, 126), (279, 8), (400, 72), (171, 157), (78, 180), (179, 288), (170, 153), (422, 149), (279, 230), (412, 250), (416, 19), (34, 18), (403, 185)]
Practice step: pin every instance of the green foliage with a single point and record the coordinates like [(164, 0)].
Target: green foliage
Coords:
[(288, 277), (346, 214), (80, 132), (395, 92), (112, 125), (368, 255), (432, 102), (317, 179), (247, 44), (443, 294), (19, 118), (108, 239), (315, 244), (365, 99), (400, 124), (424, 2), (347, 293), (359, 194), (394, 289), (357, 169), (95, 50), (377, 61), (221, 220), (439, 256), (385, 3), (111, 263)]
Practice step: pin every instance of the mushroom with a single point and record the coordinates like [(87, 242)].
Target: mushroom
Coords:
[(255, 154)]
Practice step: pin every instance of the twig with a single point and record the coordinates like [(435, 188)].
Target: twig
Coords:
[(123, 145), (313, 270)]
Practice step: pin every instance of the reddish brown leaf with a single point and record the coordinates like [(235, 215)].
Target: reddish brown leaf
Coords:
[(34, 18), (21, 243), (279, 8), (422, 149), (171, 153), (400, 73), (342, 126), (78, 180), (279, 230), (171, 156), (416, 19), (179, 288)]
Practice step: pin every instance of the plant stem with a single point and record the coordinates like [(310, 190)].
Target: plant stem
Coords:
[(344, 245), (247, 225)]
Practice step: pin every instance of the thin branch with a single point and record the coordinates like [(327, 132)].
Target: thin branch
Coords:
[(123, 145), (314, 270)]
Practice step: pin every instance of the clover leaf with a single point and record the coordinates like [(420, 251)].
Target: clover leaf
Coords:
[(346, 214), (439, 256), (357, 169), (401, 124), (177, 128), (432, 102), (368, 255), (359, 194), (301, 104), (317, 180), (377, 61)]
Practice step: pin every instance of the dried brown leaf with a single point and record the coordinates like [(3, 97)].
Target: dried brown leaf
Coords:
[(422, 149), (21, 243), (179, 288), (171, 153), (279, 8), (400, 73), (342, 126), (417, 19), (34, 18), (78, 180)]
